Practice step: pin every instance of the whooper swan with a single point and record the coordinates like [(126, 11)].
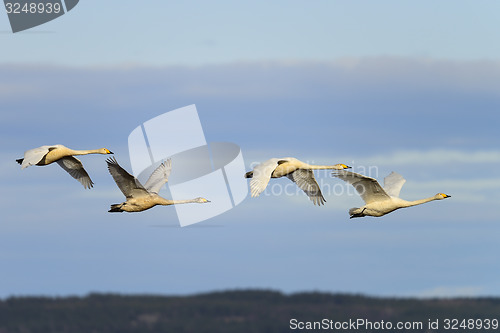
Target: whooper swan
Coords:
[(380, 201), (140, 197), (64, 156), (297, 171)]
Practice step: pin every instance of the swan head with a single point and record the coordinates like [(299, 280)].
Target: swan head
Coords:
[(105, 151), (441, 196), (201, 200), (342, 166)]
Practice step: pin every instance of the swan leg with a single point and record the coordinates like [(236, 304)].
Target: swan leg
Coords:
[(116, 208), (360, 214)]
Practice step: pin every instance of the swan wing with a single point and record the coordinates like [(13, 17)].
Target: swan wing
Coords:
[(159, 177), (307, 183), (262, 175), (368, 188), (127, 183), (393, 184), (35, 155), (74, 167)]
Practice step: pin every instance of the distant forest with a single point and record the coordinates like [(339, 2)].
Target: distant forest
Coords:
[(257, 311)]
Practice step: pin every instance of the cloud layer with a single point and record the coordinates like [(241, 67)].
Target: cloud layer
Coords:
[(435, 122)]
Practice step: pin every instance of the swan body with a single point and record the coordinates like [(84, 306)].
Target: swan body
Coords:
[(64, 156), (380, 201), (139, 197), (297, 171)]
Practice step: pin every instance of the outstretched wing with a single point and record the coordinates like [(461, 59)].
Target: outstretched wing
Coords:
[(159, 177), (262, 175), (127, 183), (35, 155), (307, 183), (74, 167), (393, 184), (368, 188)]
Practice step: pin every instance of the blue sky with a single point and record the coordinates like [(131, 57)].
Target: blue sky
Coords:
[(412, 88)]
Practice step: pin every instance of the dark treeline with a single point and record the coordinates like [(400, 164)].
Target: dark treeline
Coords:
[(241, 311)]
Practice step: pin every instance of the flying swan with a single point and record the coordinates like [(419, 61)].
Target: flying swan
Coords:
[(380, 201), (64, 156), (297, 171), (140, 197)]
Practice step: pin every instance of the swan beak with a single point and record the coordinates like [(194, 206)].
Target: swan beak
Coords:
[(348, 167), (110, 152)]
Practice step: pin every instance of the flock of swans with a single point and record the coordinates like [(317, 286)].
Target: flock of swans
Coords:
[(378, 200), (138, 197)]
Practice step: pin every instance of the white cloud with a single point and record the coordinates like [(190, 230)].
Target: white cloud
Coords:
[(451, 291), (478, 184), (348, 77), (472, 187), (433, 157), (426, 158), (16, 90)]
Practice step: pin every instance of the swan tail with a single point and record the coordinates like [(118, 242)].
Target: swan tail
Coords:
[(116, 208), (249, 174), (20, 161)]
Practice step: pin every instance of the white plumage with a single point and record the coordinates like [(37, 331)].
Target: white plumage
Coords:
[(297, 171), (380, 201), (140, 198), (46, 155)]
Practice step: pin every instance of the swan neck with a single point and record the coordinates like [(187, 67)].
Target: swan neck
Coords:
[(419, 202), (177, 202), (85, 152), (322, 167)]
